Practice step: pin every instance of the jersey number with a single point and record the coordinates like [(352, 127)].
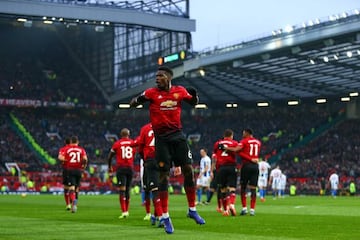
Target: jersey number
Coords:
[(151, 135), (254, 149), (126, 152), (74, 157)]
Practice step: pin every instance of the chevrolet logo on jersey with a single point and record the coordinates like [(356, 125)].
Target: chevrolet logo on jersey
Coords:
[(168, 104)]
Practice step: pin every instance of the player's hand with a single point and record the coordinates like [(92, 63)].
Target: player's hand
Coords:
[(177, 171), (133, 102), (192, 91), (221, 146)]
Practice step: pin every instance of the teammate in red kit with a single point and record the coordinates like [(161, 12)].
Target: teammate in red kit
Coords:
[(76, 161), (226, 172), (125, 154), (249, 151), (170, 143), (65, 174), (146, 144)]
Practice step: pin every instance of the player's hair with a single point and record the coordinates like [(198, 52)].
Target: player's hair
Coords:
[(74, 139), (249, 131), (166, 69), (125, 132), (67, 140), (228, 132), (205, 150)]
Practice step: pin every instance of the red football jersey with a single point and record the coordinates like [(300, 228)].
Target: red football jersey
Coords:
[(165, 108), (125, 152), (146, 142), (250, 149), (224, 157), (74, 156), (62, 152)]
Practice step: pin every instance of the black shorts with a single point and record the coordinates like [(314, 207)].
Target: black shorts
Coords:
[(151, 175), (65, 176), (249, 174), (172, 149), (214, 181), (74, 176), (124, 177), (226, 176)]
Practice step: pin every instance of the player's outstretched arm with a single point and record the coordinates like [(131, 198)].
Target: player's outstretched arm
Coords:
[(195, 98), (137, 100)]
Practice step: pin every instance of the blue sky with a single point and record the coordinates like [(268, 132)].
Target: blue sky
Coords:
[(228, 22)]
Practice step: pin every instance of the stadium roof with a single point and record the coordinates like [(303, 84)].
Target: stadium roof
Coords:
[(301, 63)]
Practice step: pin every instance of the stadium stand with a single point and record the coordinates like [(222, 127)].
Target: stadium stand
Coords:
[(41, 68)]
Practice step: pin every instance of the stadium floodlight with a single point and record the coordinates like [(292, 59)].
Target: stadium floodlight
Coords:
[(53, 18), (85, 21), (312, 61), (356, 11), (200, 106), (358, 52), (310, 23), (317, 21), (262, 104), (124, 105), (326, 59), (321, 100), (107, 23), (231, 105), (336, 56), (344, 15), (140, 106), (345, 99), (44, 18), (293, 102), (48, 22), (288, 28), (202, 72), (21, 19), (354, 94), (61, 19), (349, 54)]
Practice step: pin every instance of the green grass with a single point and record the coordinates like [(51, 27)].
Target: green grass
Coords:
[(44, 217)]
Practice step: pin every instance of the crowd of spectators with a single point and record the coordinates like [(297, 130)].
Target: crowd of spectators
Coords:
[(49, 127), (42, 68), (337, 150)]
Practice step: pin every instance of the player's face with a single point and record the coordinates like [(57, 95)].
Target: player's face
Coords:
[(162, 80)]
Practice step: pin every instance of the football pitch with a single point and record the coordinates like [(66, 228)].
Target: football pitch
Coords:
[(300, 217)]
